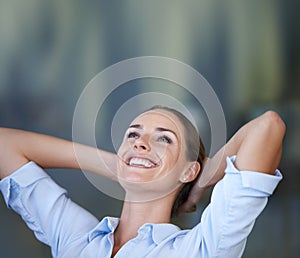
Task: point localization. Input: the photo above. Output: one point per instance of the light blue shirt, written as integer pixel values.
(73, 232)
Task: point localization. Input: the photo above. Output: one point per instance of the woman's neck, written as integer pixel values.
(136, 214)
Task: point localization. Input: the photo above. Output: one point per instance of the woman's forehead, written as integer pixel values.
(158, 118)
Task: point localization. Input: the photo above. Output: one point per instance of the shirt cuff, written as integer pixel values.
(24, 176)
(256, 180)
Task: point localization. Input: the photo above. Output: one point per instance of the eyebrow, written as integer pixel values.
(159, 129)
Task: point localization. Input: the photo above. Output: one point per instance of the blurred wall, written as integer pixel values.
(247, 50)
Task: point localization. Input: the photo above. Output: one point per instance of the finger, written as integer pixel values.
(193, 208)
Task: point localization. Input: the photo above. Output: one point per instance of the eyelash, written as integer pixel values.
(162, 138)
(132, 135)
(165, 139)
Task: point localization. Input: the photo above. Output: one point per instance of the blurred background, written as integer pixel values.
(247, 50)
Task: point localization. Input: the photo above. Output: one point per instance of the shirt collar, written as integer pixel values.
(106, 225)
(159, 232)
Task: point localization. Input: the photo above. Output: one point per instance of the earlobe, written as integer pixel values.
(191, 172)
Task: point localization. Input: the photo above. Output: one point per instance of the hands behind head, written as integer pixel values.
(210, 175)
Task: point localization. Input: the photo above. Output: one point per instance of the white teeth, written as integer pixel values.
(141, 162)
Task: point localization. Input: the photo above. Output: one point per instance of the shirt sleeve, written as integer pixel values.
(45, 207)
(236, 202)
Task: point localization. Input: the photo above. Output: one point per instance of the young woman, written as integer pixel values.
(162, 166)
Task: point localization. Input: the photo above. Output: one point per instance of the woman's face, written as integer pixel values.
(152, 148)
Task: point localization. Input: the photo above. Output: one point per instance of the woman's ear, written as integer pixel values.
(191, 172)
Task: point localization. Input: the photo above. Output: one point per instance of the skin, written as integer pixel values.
(166, 149)
(156, 138)
(258, 146)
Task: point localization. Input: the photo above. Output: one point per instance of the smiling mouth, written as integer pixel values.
(141, 163)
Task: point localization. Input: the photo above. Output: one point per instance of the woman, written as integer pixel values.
(158, 164)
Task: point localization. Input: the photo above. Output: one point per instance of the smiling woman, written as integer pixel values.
(154, 159)
(174, 131)
(162, 166)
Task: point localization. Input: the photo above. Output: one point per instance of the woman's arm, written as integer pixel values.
(257, 146)
(18, 147)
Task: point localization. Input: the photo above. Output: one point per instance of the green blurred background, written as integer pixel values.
(247, 50)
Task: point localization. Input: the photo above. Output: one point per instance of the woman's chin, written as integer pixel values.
(140, 189)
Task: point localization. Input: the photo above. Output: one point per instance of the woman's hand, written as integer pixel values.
(212, 172)
(196, 193)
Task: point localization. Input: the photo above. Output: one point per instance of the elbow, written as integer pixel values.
(273, 124)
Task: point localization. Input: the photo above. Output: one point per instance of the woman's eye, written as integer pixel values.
(165, 139)
(133, 135)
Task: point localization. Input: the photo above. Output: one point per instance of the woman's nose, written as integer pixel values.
(141, 144)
